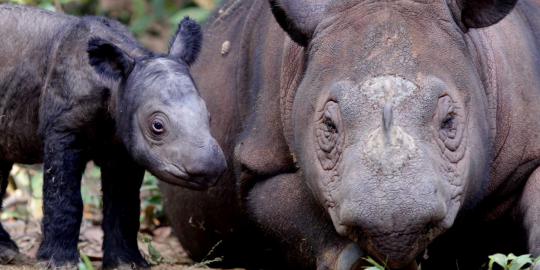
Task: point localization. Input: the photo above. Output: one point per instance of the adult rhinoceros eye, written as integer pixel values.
(329, 135)
(450, 121)
(449, 125)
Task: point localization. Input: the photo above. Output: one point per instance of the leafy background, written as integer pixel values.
(153, 22)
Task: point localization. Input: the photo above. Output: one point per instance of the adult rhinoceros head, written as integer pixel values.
(389, 122)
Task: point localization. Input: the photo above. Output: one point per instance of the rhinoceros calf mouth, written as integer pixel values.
(176, 176)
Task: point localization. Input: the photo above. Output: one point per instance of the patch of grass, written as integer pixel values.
(496, 262)
(374, 265)
(206, 262)
(151, 203)
(155, 256)
(85, 264)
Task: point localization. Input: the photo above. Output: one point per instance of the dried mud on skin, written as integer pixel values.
(28, 237)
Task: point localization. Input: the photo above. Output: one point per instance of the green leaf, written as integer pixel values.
(499, 259)
(373, 268)
(47, 6)
(158, 7)
(198, 14)
(155, 200)
(21, 215)
(374, 264)
(519, 263)
(140, 24)
(86, 264)
(155, 256)
(36, 183)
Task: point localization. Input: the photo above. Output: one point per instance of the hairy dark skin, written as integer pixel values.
(74, 90)
(403, 129)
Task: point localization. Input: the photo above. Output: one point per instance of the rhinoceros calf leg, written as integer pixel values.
(121, 182)
(284, 208)
(530, 205)
(8, 248)
(64, 163)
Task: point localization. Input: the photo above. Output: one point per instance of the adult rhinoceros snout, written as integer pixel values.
(397, 249)
(396, 232)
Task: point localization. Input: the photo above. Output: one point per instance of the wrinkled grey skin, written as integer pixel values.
(159, 85)
(79, 89)
(188, 156)
(405, 121)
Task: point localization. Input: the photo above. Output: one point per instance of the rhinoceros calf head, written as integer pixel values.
(389, 120)
(160, 116)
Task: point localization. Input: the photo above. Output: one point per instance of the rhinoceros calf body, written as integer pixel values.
(79, 89)
(392, 127)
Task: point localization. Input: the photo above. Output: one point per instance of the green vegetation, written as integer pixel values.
(25, 195)
(85, 264)
(512, 262)
(496, 262)
(152, 21)
(373, 264)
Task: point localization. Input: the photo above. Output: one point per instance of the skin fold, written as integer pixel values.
(398, 130)
(74, 90)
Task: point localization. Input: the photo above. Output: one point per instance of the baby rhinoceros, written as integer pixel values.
(74, 90)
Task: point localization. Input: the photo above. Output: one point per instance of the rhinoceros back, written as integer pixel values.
(27, 39)
(28, 35)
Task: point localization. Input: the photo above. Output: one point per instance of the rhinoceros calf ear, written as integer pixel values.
(480, 13)
(186, 43)
(109, 60)
(299, 18)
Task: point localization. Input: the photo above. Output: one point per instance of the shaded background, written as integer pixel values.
(153, 22)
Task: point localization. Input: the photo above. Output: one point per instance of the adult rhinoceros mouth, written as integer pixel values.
(396, 249)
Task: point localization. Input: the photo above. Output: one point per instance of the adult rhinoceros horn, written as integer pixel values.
(299, 18)
(480, 13)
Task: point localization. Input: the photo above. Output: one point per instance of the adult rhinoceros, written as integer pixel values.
(380, 128)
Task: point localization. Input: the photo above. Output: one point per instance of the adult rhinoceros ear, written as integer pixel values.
(186, 43)
(480, 13)
(299, 18)
(109, 60)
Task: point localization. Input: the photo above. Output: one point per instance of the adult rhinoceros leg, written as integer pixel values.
(8, 248)
(283, 207)
(530, 205)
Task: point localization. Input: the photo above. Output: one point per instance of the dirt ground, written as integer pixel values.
(159, 247)
(22, 211)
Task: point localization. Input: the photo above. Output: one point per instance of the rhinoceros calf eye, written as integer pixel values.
(157, 127)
